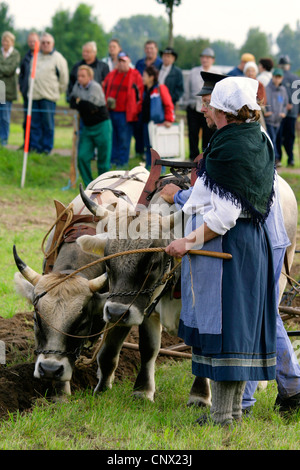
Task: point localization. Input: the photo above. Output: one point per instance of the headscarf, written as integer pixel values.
(232, 93)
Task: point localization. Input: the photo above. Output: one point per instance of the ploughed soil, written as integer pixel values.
(19, 389)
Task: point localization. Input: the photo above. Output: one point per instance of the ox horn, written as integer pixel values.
(91, 205)
(95, 209)
(32, 276)
(97, 283)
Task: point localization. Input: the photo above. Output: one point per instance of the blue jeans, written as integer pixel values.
(5, 111)
(286, 137)
(147, 144)
(122, 133)
(42, 126)
(273, 131)
(287, 367)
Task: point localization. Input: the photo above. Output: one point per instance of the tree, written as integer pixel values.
(170, 4)
(289, 44)
(133, 32)
(189, 51)
(257, 43)
(6, 21)
(72, 31)
(226, 53)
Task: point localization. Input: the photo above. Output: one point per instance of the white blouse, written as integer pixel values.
(219, 214)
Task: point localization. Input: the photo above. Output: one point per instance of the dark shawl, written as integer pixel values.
(238, 165)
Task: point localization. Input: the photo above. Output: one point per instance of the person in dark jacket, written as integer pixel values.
(151, 57)
(25, 71)
(89, 57)
(287, 131)
(9, 61)
(171, 75)
(88, 98)
(276, 109)
(155, 91)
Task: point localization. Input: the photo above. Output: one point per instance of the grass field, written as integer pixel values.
(114, 420)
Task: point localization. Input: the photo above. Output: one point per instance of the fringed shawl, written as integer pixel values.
(238, 165)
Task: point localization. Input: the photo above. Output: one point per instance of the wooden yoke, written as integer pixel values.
(152, 180)
(155, 171)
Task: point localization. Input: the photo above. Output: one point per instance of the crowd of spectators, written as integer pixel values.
(115, 98)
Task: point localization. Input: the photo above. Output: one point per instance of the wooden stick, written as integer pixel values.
(164, 352)
(290, 310)
(212, 254)
(177, 347)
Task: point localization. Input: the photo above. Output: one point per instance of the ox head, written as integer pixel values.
(63, 316)
(134, 280)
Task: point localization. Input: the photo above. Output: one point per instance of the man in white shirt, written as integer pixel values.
(195, 118)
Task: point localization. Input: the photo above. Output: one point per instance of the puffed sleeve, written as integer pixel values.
(222, 216)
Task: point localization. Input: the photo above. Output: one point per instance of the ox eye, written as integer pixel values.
(155, 266)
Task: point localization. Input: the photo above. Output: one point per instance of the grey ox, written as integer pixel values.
(134, 284)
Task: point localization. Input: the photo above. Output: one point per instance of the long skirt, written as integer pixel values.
(229, 307)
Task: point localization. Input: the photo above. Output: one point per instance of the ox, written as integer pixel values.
(73, 310)
(133, 286)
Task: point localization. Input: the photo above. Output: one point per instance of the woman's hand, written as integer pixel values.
(168, 192)
(167, 123)
(177, 248)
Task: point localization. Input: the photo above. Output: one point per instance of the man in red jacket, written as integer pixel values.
(123, 91)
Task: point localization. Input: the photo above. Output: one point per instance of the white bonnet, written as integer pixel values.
(232, 93)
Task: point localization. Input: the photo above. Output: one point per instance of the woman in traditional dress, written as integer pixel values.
(228, 306)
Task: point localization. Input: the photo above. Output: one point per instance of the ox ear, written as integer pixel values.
(32, 276)
(93, 244)
(23, 287)
(98, 283)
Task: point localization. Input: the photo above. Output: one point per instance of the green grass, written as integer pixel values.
(113, 420)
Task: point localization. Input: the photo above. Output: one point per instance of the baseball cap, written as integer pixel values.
(123, 56)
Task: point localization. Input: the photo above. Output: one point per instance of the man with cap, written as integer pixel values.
(195, 118)
(123, 89)
(287, 131)
(276, 109)
(288, 368)
(171, 75)
(239, 70)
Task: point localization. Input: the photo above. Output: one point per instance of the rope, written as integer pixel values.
(82, 362)
(69, 211)
(131, 252)
(105, 258)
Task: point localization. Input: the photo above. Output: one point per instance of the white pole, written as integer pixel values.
(28, 119)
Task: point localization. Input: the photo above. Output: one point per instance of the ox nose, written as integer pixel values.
(116, 312)
(49, 370)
